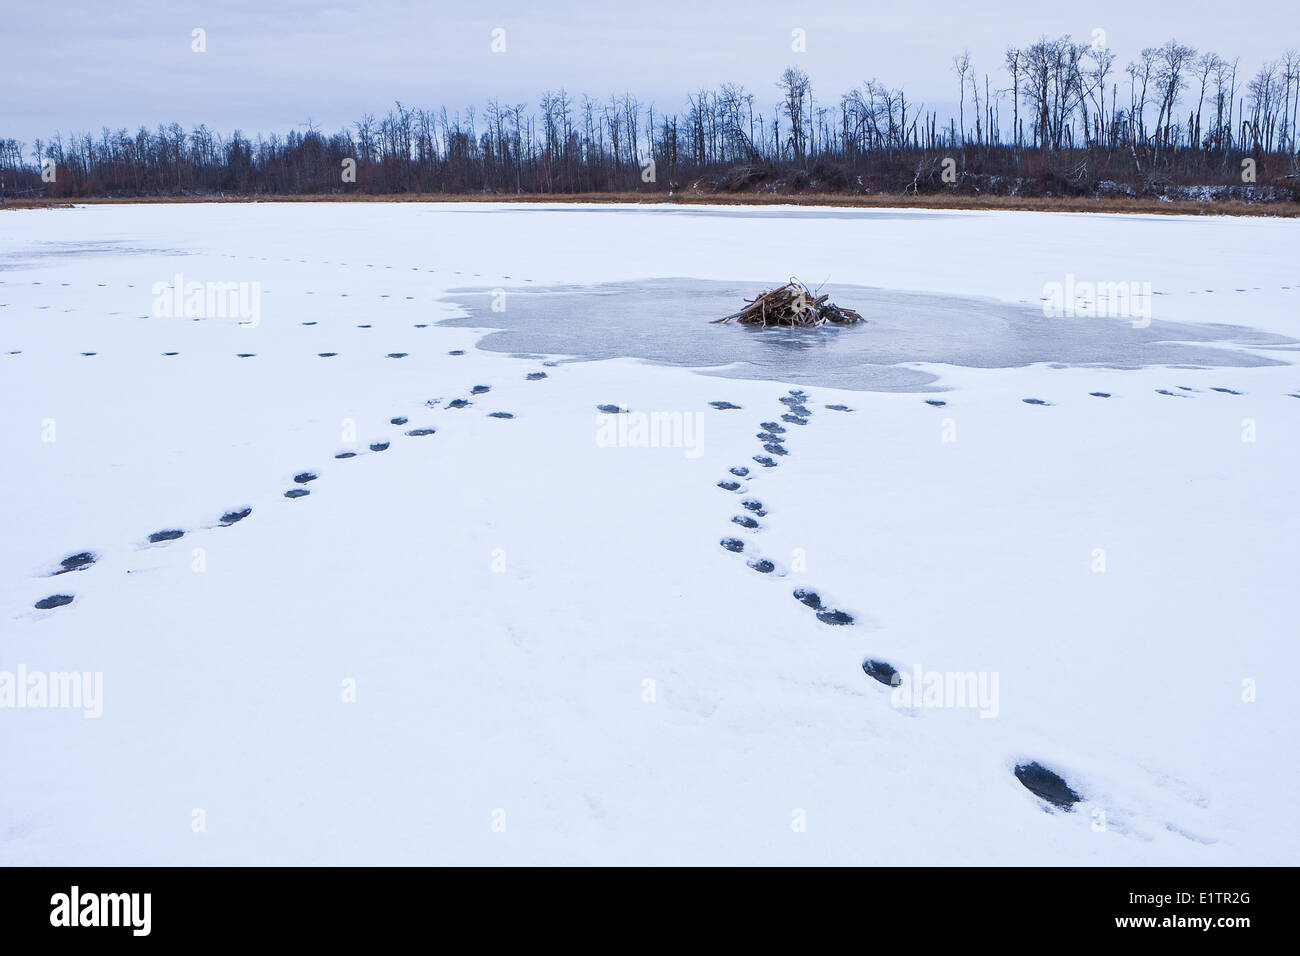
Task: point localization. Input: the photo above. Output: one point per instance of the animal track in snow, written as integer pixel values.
(76, 562)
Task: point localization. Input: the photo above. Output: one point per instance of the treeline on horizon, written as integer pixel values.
(1056, 123)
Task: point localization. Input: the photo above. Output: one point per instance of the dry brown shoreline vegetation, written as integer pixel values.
(932, 201)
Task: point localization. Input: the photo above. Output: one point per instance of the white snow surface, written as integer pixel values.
(554, 661)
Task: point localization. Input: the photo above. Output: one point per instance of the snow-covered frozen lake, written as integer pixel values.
(498, 628)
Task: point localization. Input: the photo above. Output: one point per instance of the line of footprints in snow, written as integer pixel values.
(1039, 780)
(86, 559)
(1182, 391)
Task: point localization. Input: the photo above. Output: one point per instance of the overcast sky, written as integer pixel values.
(270, 66)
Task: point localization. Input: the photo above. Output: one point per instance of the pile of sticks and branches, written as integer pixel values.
(793, 306)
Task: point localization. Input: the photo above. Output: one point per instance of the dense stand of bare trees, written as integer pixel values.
(1059, 110)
